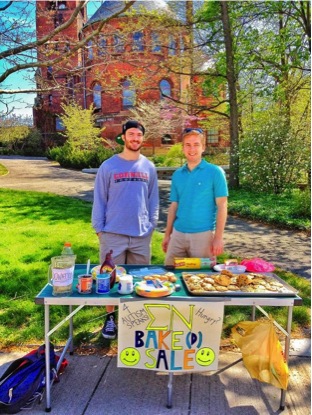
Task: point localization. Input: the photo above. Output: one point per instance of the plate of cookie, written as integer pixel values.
(227, 283)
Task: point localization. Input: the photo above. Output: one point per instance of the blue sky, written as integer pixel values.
(22, 103)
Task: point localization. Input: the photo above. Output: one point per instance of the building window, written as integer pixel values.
(58, 20)
(155, 42)
(50, 100)
(59, 126)
(70, 87)
(165, 88)
(61, 5)
(166, 139)
(90, 49)
(128, 94)
(172, 45)
(49, 72)
(119, 46)
(213, 136)
(102, 46)
(97, 96)
(138, 44)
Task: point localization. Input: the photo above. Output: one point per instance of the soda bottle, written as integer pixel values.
(109, 266)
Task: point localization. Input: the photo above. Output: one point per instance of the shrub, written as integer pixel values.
(79, 159)
(175, 156)
(302, 203)
(158, 160)
(271, 156)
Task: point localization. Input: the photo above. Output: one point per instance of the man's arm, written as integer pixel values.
(170, 220)
(217, 243)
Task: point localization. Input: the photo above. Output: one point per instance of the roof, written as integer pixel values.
(109, 8)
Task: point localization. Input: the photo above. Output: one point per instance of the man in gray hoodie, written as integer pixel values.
(125, 207)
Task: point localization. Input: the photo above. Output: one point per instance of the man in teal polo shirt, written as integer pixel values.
(198, 210)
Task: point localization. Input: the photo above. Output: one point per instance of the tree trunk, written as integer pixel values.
(231, 79)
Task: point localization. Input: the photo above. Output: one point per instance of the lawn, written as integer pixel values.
(34, 227)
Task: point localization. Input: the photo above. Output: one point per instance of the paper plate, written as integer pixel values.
(143, 289)
(235, 269)
(119, 271)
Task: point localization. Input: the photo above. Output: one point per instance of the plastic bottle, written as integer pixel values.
(67, 249)
(109, 266)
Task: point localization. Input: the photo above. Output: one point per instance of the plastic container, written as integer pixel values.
(61, 274)
(67, 249)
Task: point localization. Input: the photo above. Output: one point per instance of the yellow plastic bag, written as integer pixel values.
(262, 352)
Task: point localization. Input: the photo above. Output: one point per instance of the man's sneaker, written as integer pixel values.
(109, 330)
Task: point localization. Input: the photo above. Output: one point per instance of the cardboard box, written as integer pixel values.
(195, 263)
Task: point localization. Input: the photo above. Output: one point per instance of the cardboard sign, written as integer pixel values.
(175, 336)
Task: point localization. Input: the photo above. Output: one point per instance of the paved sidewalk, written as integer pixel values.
(93, 385)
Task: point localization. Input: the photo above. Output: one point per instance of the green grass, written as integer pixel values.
(288, 210)
(34, 227)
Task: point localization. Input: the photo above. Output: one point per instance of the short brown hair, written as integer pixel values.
(189, 132)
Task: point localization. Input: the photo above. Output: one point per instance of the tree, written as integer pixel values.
(18, 51)
(79, 127)
(158, 117)
(272, 156)
(263, 56)
(231, 80)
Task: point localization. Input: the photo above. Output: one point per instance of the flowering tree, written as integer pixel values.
(272, 158)
(79, 127)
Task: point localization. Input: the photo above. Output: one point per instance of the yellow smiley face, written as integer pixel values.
(130, 356)
(205, 356)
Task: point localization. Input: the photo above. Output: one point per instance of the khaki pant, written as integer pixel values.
(189, 245)
(126, 249)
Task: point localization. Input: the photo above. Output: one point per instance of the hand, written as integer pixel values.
(217, 246)
(165, 243)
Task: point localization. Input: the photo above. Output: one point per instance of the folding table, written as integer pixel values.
(76, 302)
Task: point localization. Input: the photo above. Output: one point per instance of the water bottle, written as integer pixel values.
(67, 249)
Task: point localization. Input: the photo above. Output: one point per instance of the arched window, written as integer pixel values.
(97, 96)
(102, 46)
(166, 139)
(90, 49)
(128, 94)
(165, 88)
(138, 44)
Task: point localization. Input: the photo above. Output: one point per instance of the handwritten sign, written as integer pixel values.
(169, 335)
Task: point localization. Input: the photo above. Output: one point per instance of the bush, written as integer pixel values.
(175, 156)
(302, 203)
(271, 156)
(21, 140)
(79, 159)
(158, 160)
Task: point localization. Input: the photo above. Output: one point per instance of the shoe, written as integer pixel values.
(109, 330)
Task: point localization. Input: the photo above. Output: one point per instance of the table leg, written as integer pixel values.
(47, 356)
(253, 313)
(286, 351)
(71, 331)
(169, 390)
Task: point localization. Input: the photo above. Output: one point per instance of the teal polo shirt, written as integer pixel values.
(195, 192)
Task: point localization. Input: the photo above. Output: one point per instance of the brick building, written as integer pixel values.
(130, 60)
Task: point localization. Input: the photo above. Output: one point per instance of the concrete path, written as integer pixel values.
(286, 249)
